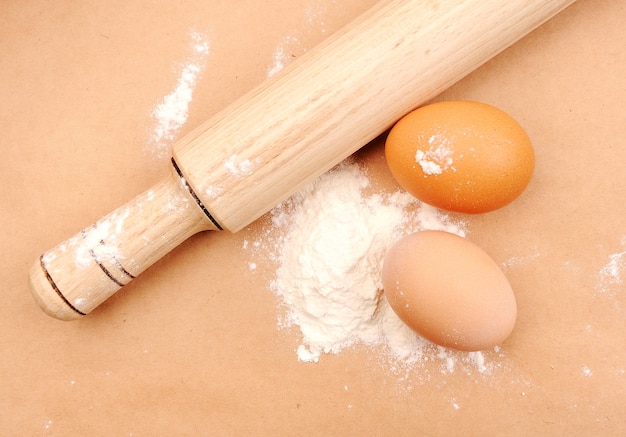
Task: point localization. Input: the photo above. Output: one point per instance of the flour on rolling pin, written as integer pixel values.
(394, 57)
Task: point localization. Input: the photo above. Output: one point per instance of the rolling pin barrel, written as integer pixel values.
(281, 135)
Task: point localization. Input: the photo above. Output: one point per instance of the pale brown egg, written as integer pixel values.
(448, 290)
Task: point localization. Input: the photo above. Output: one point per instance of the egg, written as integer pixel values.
(460, 156)
(449, 291)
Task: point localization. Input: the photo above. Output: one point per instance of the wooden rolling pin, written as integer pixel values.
(286, 132)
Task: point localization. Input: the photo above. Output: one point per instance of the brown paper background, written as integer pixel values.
(192, 347)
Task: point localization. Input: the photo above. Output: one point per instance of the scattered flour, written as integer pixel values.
(611, 272)
(517, 261)
(99, 241)
(586, 371)
(329, 241)
(283, 54)
(290, 46)
(437, 158)
(238, 167)
(171, 113)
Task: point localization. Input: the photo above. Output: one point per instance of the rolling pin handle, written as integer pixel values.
(76, 276)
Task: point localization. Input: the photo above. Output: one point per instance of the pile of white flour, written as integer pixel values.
(329, 241)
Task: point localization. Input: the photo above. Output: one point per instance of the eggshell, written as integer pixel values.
(460, 156)
(449, 291)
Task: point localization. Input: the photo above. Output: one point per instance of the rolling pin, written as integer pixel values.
(278, 137)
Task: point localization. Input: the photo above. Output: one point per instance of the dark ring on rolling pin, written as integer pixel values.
(55, 288)
(115, 262)
(193, 194)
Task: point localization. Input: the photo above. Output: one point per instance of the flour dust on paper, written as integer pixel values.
(611, 274)
(171, 113)
(290, 45)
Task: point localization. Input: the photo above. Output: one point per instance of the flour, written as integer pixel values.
(283, 54)
(610, 274)
(329, 241)
(517, 261)
(100, 242)
(290, 45)
(437, 158)
(238, 167)
(171, 113)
